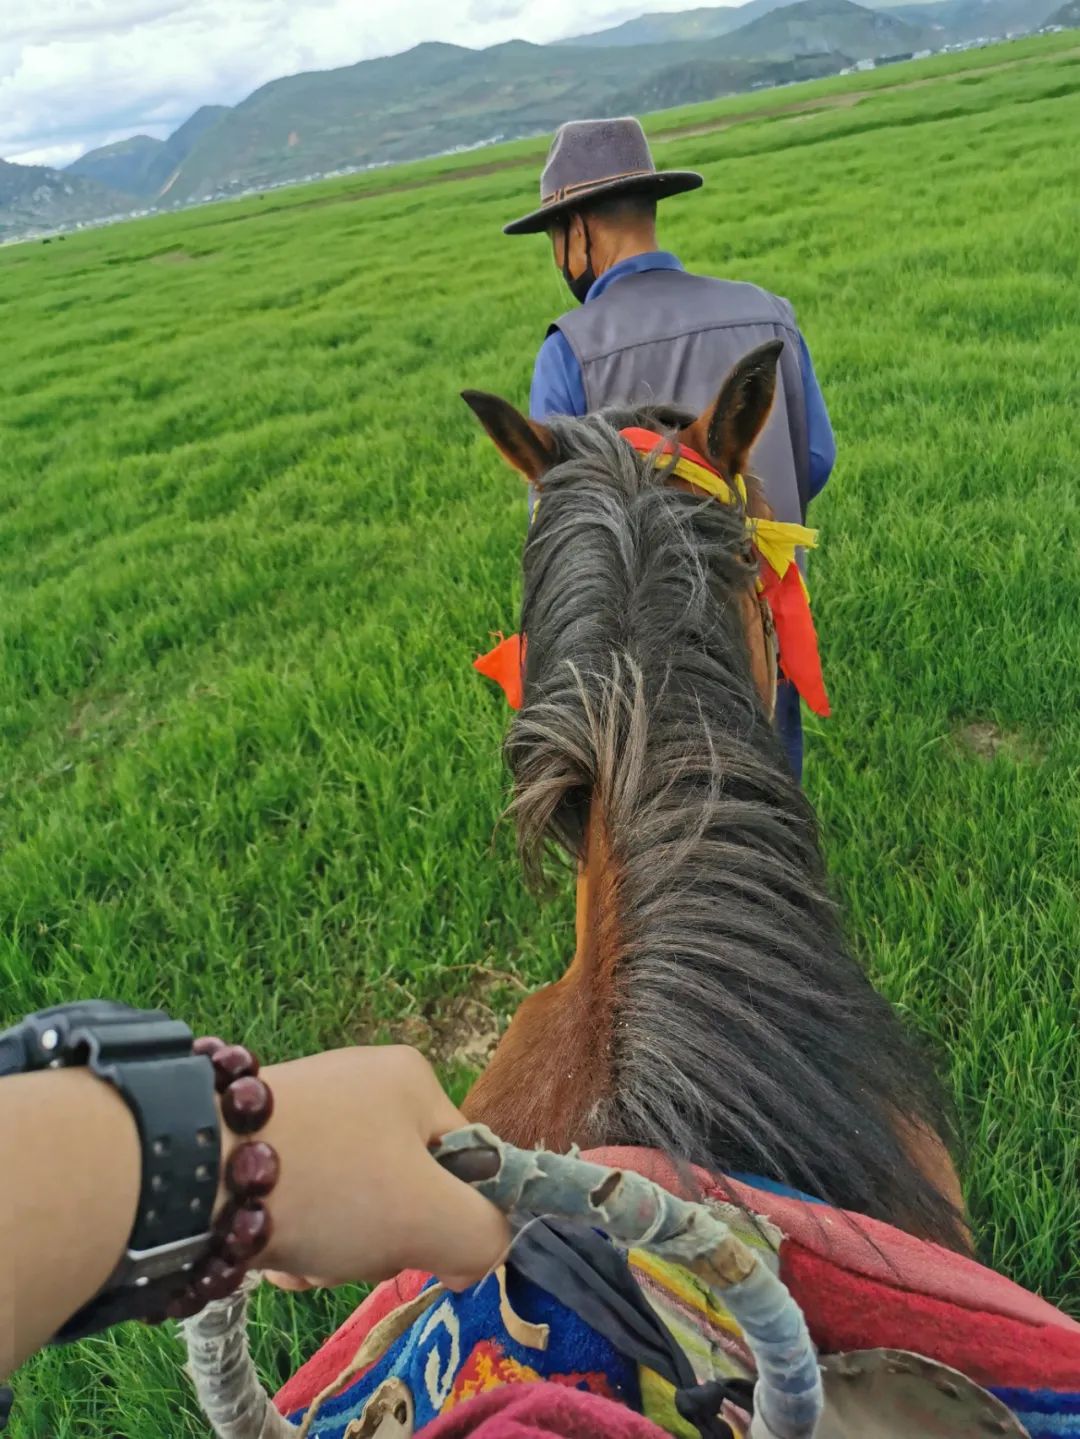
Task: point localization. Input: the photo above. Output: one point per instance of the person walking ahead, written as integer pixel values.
(649, 331)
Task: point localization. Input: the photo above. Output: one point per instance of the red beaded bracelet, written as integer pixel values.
(243, 1228)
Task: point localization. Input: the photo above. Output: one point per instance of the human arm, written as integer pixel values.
(69, 1154)
(359, 1195)
(557, 384)
(819, 430)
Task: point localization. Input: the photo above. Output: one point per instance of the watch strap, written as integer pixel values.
(147, 1057)
(172, 1100)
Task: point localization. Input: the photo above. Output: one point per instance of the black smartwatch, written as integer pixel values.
(147, 1058)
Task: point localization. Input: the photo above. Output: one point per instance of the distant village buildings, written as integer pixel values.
(957, 47)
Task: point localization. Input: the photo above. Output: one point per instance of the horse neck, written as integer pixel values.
(551, 1082)
(551, 1079)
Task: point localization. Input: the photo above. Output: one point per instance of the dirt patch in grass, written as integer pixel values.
(93, 716)
(460, 1030)
(986, 741)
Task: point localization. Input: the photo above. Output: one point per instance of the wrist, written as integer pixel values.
(289, 1126)
(144, 1061)
(235, 1173)
(248, 1171)
(310, 1132)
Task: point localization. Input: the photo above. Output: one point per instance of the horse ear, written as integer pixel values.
(726, 431)
(529, 447)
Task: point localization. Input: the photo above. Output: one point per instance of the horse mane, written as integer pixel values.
(744, 1036)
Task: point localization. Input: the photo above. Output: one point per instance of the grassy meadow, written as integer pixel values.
(250, 540)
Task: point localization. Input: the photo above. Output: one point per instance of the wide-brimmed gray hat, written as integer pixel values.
(593, 158)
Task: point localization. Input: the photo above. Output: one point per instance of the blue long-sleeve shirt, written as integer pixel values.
(558, 388)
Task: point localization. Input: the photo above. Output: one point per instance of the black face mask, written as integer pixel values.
(578, 285)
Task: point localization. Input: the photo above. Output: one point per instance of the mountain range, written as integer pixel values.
(943, 22)
(144, 166)
(438, 97)
(33, 197)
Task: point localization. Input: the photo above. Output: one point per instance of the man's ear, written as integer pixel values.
(529, 447)
(725, 432)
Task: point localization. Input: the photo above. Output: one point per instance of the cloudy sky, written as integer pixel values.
(80, 73)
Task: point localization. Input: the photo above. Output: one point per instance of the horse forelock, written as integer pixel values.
(743, 1035)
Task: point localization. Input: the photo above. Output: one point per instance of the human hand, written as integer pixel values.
(360, 1197)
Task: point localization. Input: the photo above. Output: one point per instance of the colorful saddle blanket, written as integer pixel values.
(862, 1285)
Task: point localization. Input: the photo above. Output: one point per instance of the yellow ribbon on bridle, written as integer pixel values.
(775, 540)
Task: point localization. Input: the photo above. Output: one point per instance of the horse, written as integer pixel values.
(712, 1009)
(712, 1015)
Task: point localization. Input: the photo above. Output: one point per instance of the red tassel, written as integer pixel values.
(795, 635)
(504, 664)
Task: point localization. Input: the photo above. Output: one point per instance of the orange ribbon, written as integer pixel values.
(648, 442)
(796, 639)
(505, 665)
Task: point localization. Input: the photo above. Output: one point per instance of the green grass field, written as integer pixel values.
(250, 540)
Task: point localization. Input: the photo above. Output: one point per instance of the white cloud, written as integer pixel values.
(58, 155)
(75, 74)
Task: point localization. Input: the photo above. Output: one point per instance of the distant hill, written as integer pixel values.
(946, 21)
(33, 197)
(127, 165)
(691, 81)
(1068, 15)
(706, 23)
(143, 167)
(817, 27)
(957, 21)
(429, 99)
(436, 97)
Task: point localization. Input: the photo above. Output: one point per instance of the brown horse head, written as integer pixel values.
(724, 434)
(712, 1009)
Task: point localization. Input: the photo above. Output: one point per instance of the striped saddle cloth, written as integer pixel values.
(418, 1352)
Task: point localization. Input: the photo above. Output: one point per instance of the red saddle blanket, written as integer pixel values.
(861, 1285)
